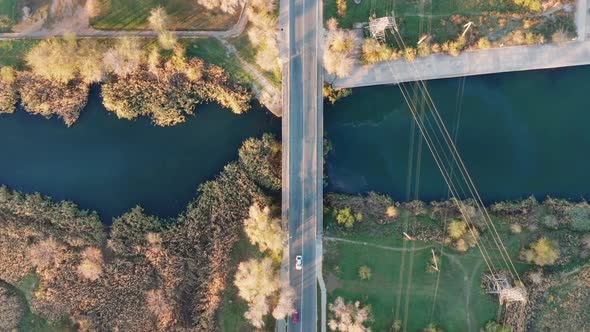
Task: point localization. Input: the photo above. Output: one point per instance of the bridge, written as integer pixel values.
(302, 137)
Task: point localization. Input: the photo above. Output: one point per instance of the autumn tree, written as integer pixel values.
(54, 59)
(348, 317)
(341, 7)
(542, 252)
(89, 61)
(257, 281)
(264, 230)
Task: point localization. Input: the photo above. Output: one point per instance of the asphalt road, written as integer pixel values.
(305, 135)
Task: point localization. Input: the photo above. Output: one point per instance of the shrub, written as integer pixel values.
(334, 94)
(365, 272)
(372, 51)
(262, 160)
(483, 43)
(345, 217)
(409, 54)
(423, 49)
(579, 216)
(516, 228)
(543, 252)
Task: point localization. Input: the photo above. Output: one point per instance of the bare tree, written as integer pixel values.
(124, 58)
(158, 19)
(257, 281)
(348, 317)
(227, 6)
(285, 305)
(264, 230)
(45, 253)
(91, 265)
(338, 55)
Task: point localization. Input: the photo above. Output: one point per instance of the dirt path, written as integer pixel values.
(266, 92)
(467, 280)
(337, 239)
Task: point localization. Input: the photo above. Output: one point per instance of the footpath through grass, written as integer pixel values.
(184, 14)
(460, 305)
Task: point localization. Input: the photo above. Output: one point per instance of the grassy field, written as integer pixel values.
(460, 304)
(231, 312)
(212, 51)
(9, 14)
(12, 52)
(442, 19)
(185, 15)
(248, 53)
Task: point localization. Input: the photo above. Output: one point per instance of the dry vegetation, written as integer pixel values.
(338, 57)
(159, 82)
(146, 274)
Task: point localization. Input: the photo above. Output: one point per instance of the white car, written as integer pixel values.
(298, 262)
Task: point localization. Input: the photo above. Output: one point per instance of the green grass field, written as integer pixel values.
(212, 51)
(460, 304)
(184, 14)
(12, 52)
(9, 14)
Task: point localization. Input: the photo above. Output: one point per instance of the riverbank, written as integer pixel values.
(109, 165)
(146, 272)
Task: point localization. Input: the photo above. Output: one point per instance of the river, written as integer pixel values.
(520, 134)
(110, 165)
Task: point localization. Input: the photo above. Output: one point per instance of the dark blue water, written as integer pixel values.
(520, 134)
(110, 165)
